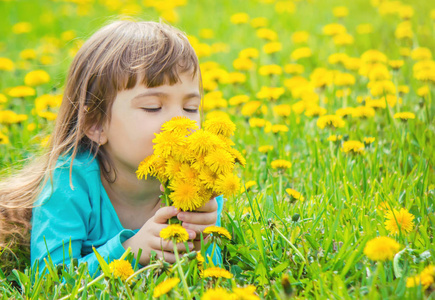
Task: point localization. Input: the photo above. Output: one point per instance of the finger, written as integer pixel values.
(162, 188)
(210, 206)
(167, 256)
(198, 217)
(163, 214)
(195, 227)
(169, 246)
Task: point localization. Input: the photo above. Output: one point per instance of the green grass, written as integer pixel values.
(342, 191)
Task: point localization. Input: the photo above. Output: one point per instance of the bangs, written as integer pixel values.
(156, 57)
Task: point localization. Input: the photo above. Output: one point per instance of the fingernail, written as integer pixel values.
(191, 236)
(190, 245)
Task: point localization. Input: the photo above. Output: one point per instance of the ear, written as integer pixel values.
(97, 134)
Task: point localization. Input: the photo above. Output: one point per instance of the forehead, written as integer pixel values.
(187, 84)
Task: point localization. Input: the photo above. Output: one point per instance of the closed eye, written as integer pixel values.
(151, 109)
(191, 110)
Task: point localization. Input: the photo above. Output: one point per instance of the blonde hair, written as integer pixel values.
(113, 59)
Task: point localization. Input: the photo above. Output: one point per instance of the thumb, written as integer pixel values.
(165, 213)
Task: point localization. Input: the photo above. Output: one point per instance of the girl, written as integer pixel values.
(124, 83)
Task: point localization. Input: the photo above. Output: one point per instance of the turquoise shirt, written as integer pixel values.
(83, 216)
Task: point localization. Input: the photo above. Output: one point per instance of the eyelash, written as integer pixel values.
(151, 110)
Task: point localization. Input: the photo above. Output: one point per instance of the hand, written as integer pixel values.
(148, 238)
(200, 219)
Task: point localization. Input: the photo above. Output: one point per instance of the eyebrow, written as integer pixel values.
(164, 95)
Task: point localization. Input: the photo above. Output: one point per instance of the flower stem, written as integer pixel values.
(88, 285)
(141, 270)
(292, 246)
(180, 270)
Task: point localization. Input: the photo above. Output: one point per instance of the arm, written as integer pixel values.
(61, 224)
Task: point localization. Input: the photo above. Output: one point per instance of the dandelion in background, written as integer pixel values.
(247, 292)
(426, 278)
(404, 116)
(217, 231)
(216, 272)
(216, 294)
(399, 219)
(354, 147)
(381, 248)
(281, 164)
(295, 194)
(165, 287)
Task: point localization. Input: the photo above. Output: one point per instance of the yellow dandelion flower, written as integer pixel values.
(217, 231)
(333, 29)
(216, 294)
(272, 47)
(237, 100)
(168, 142)
(282, 110)
(245, 293)
(222, 126)
(147, 167)
(239, 18)
(238, 157)
(259, 22)
(227, 184)
(4, 139)
(340, 11)
(299, 53)
(220, 161)
(174, 231)
(295, 194)
(165, 287)
(265, 148)
(281, 164)
(404, 116)
(208, 178)
(217, 272)
(334, 138)
(184, 195)
(353, 147)
(21, 91)
(172, 168)
(37, 77)
(201, 142)
(268, 70)
(363, 112)
(270, 93)
(332, 121)
(6, 64)
(249, 108)
(279, 128)
(381, 248)
(399, 219)
(248, 185)
(267, 34)
(300, 37)
(426, 278)
(369, 140)
(180, 125)
(121, 269)
(10, 117)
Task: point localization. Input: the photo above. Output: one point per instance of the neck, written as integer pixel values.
(127, 190)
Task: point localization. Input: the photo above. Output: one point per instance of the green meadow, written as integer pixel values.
(334, 107)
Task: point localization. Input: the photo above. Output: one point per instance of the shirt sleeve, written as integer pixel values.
(60, 224)
(217, 256)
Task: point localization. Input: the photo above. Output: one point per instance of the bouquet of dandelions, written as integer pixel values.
(193, 164)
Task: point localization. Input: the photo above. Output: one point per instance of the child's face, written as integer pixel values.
(138, 113)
